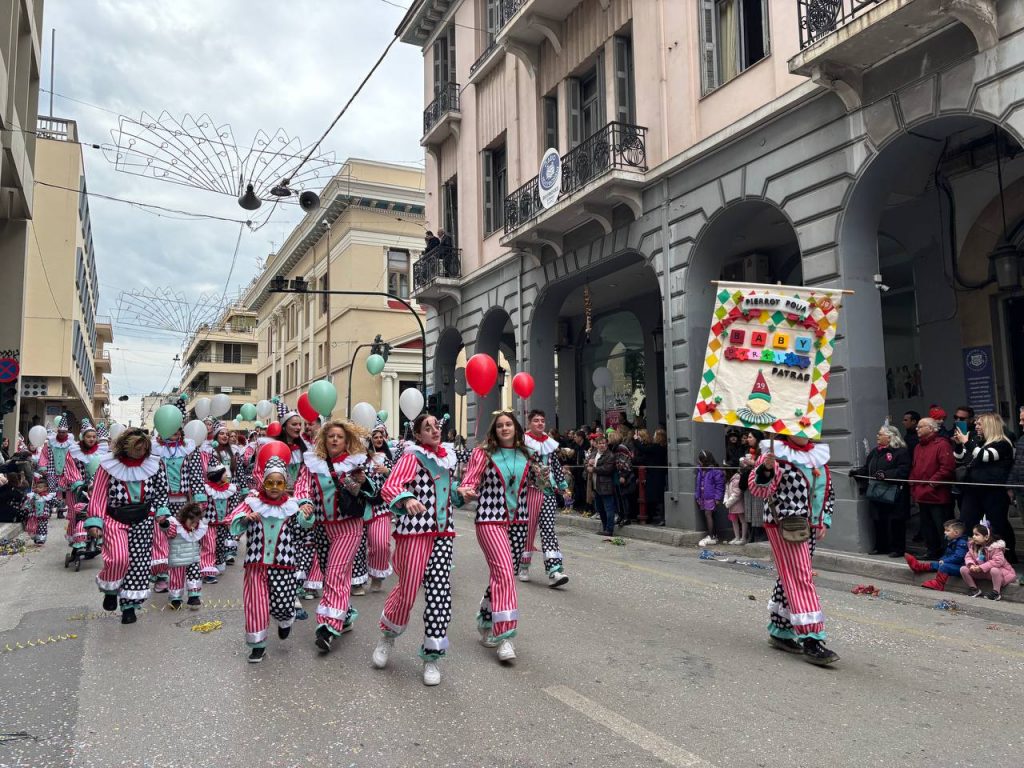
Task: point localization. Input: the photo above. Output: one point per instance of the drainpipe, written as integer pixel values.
(666, 325)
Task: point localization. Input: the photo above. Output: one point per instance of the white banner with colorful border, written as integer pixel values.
(768, 358)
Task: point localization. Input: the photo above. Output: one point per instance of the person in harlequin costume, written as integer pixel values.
(373, 559)
(86, 454)
(334, 479)
(129, 490)
(222, 497)
(419, 492)
(274, 525)
(61, 473)
(498, 477)
(543, 503)
(184, 531)
(38, 505)
(793, 478)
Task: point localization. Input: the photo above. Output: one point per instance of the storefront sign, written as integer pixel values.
(979, 378)
(768, 358)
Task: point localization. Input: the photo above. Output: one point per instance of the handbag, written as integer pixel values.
(129, 514)
(346, 503)
(795, 529)
(881, 492)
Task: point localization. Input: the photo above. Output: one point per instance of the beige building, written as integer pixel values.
(20, 29)
(367, 236)
(64, 362)
(222, 359)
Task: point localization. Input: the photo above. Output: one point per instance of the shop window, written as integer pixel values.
(734, 36)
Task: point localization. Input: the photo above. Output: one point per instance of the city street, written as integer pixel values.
(649, 657)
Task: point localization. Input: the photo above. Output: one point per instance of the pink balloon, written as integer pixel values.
(481, 373)
(522, 384)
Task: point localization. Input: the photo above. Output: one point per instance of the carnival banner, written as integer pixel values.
(768, 358)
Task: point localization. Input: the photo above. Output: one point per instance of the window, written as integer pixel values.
(398, 273)
(625, 98)
(306, 376)
(735, 36)
(278, 381)
(444, 60)
(270, 388)
(319, 355)
(232, 353)
(586, 103)
(492, 12)
(450, 204)
(495, 188)
(550, 107)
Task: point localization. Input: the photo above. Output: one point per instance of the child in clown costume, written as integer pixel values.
(39, 504)
(275, 526)
(221, 497)
(184, 531)
(86, 455)
(61, 473)
(543, 503)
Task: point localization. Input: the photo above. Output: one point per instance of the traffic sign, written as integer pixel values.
(9, 370)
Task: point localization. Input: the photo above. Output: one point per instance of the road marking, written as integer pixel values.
(836, 612)
(664, 750)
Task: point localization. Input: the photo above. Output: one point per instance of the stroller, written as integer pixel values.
(92, 546)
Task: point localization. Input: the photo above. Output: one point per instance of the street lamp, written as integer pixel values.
(300, 285)
(377, 347)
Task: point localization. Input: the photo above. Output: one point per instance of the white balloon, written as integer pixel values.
(264, 410)
(601, 397)
(220, 405)
(115, 431)
(195, 431)
(602, 377)
(411, 403)
(37, 436)
(202, 407)
(365, 415)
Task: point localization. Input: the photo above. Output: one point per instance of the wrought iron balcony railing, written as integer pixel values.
(447, 101)
(440, 261)
(617, 146)
(820, 18)
(506, 10)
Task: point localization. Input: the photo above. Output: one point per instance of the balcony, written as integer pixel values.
(841, 39)
(442, 117)
(436, 275)
(102, 361)
(531, 22)
(208, 391)
(57, 129)
(607, 167)
(101, 392)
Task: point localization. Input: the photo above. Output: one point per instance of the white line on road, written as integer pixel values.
(664, 750)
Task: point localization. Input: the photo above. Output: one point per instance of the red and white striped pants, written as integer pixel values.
(75, 531)
(160, 549)
(374, 556)
(499, 609)
(184, 577)
(266, 592)
(126, 561)
(427, 560)
(336, 547)
(794, 607)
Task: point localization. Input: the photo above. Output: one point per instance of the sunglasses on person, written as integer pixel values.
(506, 412)
(274, 485)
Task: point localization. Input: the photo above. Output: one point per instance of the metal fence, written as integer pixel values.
(820, 18)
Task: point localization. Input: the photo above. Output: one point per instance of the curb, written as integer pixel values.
(10, 530)
(870, 566)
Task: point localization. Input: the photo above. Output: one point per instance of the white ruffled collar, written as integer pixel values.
(192, 536)
(448, 462)
(319, 466)
(68, 442)
(126, 474)
(542, 448)
(279, 511)
(815, 458)
(32, 495)
(226, 493)
(99, 450)
(177, 452)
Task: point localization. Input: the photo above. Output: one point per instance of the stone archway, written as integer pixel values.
(446, 353)
(496, 336)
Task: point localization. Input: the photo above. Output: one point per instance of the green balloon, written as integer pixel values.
(382, 415)
(323, 397)
(375, 364)
(248, 412)
(167, 420)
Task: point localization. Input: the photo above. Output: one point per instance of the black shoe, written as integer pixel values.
(875, 552)
(816, 653)
(175, 605)
(975, 592)
(993, 595)
(128, 616)
(789, 645)
(283, 632)
(194, 602)
(256, 655)
(324, 638)
(110, 602)
(230, 561)
(209, 579)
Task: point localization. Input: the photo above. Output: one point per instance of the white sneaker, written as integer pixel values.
(506, 651)
(486, 640)
(376, 585)
(557, 579)
(383, 651)
(524, 573)
(431, 673)
(735, 542)
(707, 541)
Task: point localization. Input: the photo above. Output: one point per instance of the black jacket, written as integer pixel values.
(986, 463)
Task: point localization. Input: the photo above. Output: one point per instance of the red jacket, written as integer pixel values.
(933, 460)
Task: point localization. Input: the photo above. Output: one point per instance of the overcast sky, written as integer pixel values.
(253, 64)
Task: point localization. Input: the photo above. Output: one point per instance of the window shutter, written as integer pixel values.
(624, 100)
(550, 123)
(575, 119)
(451, 76)
(488, 193)
(709, 46)
(492, 20)
(439, 68)
(602, 90)
(766, 28)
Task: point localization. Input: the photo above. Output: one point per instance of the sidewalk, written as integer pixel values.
(877, 567)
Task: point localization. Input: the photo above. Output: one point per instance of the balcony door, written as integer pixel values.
(586, 103)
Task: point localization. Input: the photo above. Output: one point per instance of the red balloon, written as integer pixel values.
(522, 384)
(274, 428)
(275, 448)
(306, 409)
(481, 373)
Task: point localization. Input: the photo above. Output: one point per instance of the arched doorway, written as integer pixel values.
(496, 337)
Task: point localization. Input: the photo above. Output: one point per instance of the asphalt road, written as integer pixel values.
(649, 657)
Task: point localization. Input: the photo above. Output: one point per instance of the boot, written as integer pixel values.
(324, 638)
(110, 602)
(916, 565)
(938, 583)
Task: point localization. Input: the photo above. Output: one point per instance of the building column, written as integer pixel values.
(389, 400)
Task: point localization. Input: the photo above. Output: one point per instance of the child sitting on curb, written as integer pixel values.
(986, 559)
(950, 562)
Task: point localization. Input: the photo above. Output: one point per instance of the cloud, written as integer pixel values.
(254, 64)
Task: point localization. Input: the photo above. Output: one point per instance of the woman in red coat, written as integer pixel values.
(933, 462)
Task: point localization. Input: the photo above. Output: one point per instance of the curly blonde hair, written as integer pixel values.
(355, 436)
(128, 439)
